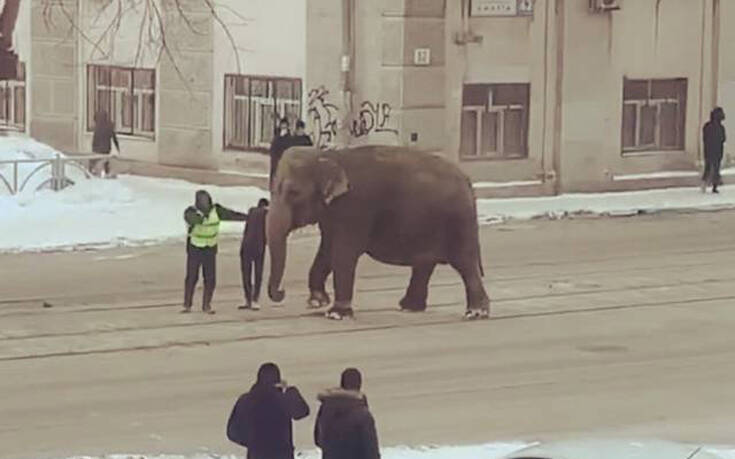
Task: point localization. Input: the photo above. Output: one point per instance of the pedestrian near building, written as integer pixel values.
(280, 144)
(252, 254)
(102, 139)
(345, 428)
(714, 138)
(262, 419)
(203, 220)
(300, 138)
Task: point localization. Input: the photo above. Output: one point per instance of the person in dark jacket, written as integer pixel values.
(104, 136)
(344, 427)
(300, 139)
(203, 219)
(262, 419)
(252, 254)
(714, 138)
(280, 143)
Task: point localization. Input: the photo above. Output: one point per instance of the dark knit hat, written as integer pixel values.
(269, 373)
(351, 379)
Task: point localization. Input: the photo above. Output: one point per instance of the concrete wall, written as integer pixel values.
(390, 97)
(100, 45)
(646, 39)
(575, 62)
(53, 77)
(23, 44)
(270, 38)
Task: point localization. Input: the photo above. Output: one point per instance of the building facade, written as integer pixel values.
(213, 91)
(555, 94)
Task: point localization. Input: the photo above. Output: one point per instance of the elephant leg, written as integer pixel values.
(478, 303)
(418, 289)
(347, 249)
(320, 270)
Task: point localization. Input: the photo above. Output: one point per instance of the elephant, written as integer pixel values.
(400, 206)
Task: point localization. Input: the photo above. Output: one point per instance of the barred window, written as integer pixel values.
(495, 121)
(13, 101)
(253, 106)
(128, 95)
(654, 114)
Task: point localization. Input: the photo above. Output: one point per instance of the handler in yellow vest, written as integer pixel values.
(203, 219)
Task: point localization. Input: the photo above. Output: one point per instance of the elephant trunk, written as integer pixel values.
(278, 225)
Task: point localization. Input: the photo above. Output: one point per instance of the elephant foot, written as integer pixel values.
(318, 300)
(409, 305)
(339, 312)
(477, 314)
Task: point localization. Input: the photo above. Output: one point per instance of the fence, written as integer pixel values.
(57, 165)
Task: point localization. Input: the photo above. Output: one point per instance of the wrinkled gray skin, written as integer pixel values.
(400, 207)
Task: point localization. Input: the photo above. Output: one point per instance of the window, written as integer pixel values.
(13, 101)
(494, 121)
(654, 114)
(128, 95)
(253, 106)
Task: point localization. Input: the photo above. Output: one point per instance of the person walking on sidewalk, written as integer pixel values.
(103, 138)
(203, 219)
(262, 419)
(345, 428)
(714, 138)
(252, 254)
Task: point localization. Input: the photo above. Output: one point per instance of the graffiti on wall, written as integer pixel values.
(322, 116)
(372, 118)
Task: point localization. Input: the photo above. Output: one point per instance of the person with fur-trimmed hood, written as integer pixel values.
(262, 419)
(345, 428)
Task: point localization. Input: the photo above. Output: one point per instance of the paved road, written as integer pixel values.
(611, 326)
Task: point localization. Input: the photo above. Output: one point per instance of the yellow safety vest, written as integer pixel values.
(204, 234)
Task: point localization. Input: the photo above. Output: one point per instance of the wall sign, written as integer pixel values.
(491, 8)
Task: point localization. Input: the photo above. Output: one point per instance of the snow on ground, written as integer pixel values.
(618, 203)
(488, 451)
(14, 147)
(96, 213)
(107, 213)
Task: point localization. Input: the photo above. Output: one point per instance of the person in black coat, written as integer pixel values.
(713, 136)
(261, 420)
(252, 254)
(280, 144)
(300, 138)
(345, 428)
(102, 140)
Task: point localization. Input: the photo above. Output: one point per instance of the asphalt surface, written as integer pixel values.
(618, 326)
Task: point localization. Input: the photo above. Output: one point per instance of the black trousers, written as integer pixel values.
(206, 260)
(250, 261)
(711, 174)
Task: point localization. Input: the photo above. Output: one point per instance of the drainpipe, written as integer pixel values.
(348, 56)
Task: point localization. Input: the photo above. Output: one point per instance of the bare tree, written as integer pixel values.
(158, 19)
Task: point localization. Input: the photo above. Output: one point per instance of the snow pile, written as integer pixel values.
(488, 451)
(14, 147)
(108, 213)
(618, 203)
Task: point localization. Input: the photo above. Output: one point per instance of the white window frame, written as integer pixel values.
(10, 122)
(658, 103)
(500, 110)
(136, 98)
(255, 106)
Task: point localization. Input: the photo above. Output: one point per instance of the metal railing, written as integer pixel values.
(57, 165)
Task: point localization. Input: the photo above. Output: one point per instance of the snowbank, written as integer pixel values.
(14, 147)
(102, 213)
(129, 211)
(619, 203)
(488, 451)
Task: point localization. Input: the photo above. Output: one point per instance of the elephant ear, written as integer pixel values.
(331, 179)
